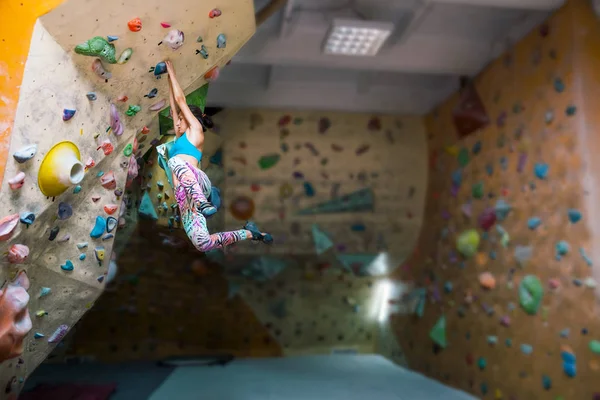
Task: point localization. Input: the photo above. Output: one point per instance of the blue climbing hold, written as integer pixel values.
(526, 348)
(559, 85)
(476, 148)
(541, 170)
(489, 169)
(562, 248)
(77, 189)
(98, 229)
(565, 333)
(503, 163)
(481, 363)
(493, 255)
(574, 215)
(508, 342)
(585, 257)
(82, 256)
(569, 366)
(534, 223)
(309, 190)
(484, 388)
(448, 287)
(546, 382)
(358, 228)
(67, 266)
(457, 177)
(111, 38)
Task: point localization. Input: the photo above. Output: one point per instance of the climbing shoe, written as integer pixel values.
(207, 209)
(257, 234)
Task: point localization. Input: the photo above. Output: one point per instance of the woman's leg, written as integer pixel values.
(186, 177)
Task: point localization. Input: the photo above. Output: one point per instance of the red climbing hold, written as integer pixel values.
(283, 121)
(135, 25)
(215, 12)
(165, 24)
(145, 130)
(110, 208)
(106, 147)
(255, 187)
(212, 74)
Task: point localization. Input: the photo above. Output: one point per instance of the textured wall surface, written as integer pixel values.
(534, 96)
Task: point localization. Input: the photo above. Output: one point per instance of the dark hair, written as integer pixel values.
(204, 119)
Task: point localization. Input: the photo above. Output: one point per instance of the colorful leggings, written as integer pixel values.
(192, 187)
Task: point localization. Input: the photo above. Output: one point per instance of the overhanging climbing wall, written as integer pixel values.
(65, 255)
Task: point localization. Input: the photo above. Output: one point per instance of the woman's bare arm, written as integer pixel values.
(180, 101)
(174, 109)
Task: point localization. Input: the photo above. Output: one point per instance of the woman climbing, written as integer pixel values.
(191, 185)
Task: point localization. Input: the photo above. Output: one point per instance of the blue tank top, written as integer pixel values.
(183, 146)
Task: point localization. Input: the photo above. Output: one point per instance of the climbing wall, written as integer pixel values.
(346, 173)
(504, 302)
(62, 201)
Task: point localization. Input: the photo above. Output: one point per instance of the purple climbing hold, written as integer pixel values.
(487, 218)
(68, 114)
(298, 175)
(64, 211)
(522, 162)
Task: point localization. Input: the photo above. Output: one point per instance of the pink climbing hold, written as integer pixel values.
(95, 198)
(165, 24)
(487, 280)
(17, 181)
(108, 180)
(90, 163)
(7, 226)
(18, 253)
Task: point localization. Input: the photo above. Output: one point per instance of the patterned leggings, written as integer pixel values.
(192, 187)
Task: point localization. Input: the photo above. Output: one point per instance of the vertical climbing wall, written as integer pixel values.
(62, 232)
(284, 165)
(508, 307)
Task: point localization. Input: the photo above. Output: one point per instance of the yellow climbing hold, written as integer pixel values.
(481, 259)
(452, 150)
(498, 394)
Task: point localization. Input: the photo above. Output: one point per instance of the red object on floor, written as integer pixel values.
(70, 392)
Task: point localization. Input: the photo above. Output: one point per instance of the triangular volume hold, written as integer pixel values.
(470, 114)
(359, 201)
(146, 209)
(438, 333)
(357, 263)
(322, 241)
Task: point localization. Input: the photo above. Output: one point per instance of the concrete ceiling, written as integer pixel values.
(435, 41)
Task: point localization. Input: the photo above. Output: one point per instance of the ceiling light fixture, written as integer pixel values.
(356, 37)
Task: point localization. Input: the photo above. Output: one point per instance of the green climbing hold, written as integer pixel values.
(322, 241)
(477, 190)
(438, 333)
(595, 346)
(146, 209)
(268, 161)
(128, 150)
(132, 110)
(468, 243)
(463, 157)
(98, 47)
(531, 293)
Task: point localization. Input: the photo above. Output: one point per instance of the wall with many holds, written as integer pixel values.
(331, 178)
(504, 304)
(73, 143)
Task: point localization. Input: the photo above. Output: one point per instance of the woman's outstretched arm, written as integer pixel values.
(174, 109)
(192, 121)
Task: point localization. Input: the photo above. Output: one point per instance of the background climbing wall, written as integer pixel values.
(494, 344)
(319, 157)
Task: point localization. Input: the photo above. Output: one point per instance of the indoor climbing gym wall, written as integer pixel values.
(504, 302)
(90, 92)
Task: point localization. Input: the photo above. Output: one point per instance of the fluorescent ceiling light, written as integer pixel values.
(356, 37)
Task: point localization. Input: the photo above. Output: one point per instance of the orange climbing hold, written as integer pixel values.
(110, 208)
(212, 75)
(487, 280)
(135, 25)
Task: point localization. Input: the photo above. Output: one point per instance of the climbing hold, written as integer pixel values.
(215, 12)
(574, 215)
(44, 291)
(477, 190)
(68, 114)
(487, 280)
(82, 245)
(7, 226)
(492, 340)
(476, 147)
(99, 70)
(321, 240)
(108, 236)
(38, 335)
(146, 209)
(487, 219)
(82, 257)
(67, 266)
(174, 39)
(125, 56)
(64, 211)
(159, 69)
(463, 157)
(199, 39)
(134, 25)
(99, 253)
(595, 346)
(25, 153)
(27, 218)
(98, 47)
(546, 382)
(91, 96)
(541, 170)
(268, 161)
(534, 222)
(438, 332)
(526, 349)
(324, 125)
(285, 191)
(362, 149)
(212, 74)
(17, 181)
(99, 227)
(108, 180)
(165, 24)
(309, 189)
(110, 208)
(90, 163)
(128, 150)
(111, 38)
(467, 243)
(531, 293)
(111, 224)
(562, 249)
(58, 334)
(133, 110)
(18, 253)
(559, 86)
(158, 105)
(481, 363)
(152, 93)
(221, 41)
(203, 52)
(122, 98)
(242, 208)
(570, 110)
(569, 366)
(521, 162)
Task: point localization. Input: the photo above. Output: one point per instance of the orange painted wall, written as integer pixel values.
(17, 19)
(487, 332)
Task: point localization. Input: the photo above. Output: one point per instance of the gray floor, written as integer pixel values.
(344, 377)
